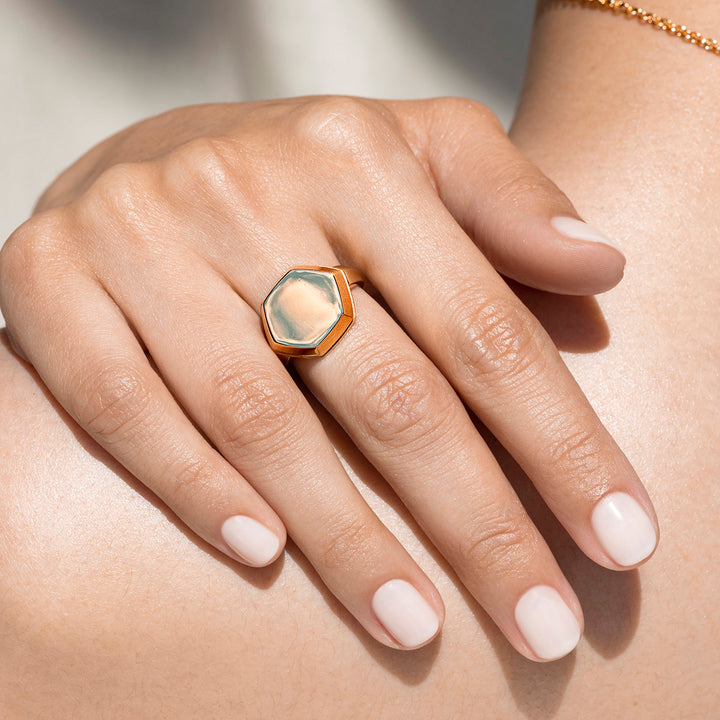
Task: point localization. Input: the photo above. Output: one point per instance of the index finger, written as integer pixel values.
(502, 363)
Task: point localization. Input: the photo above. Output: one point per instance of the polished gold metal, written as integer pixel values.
(354, 277)
(661, 23)
(345, 279)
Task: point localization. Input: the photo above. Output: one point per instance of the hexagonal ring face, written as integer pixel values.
(308, 311)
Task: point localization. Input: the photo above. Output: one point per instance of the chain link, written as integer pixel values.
(661, 23)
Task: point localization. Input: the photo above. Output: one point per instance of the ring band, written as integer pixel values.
(309, 310)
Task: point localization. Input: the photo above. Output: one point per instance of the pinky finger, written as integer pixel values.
(109, 387)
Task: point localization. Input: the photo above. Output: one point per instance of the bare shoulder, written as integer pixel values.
(109, 609)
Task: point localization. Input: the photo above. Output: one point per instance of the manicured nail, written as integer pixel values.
(548, 625)
(250, 540)
(579, 230)
(404, 613)
(624, 529)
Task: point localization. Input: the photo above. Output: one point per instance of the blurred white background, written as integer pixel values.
(73, 72)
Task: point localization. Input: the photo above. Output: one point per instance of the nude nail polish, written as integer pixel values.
(251, 540)
(548, 625)
(578, 230)
(623, 528)
(405, 613)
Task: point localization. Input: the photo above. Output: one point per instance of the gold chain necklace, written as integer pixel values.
(661, 23)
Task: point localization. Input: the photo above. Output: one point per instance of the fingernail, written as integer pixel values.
(579, 230)
(624, 529)
(251, 540)
(405, 613)
(548, 625)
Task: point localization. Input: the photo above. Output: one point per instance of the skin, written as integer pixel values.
(112, 609)
(166, 239)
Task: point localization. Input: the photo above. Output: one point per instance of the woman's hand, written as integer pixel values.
(166, 239)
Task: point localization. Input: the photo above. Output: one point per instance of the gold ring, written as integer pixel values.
(309, 310)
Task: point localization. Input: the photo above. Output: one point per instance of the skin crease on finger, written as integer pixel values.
(111, 610)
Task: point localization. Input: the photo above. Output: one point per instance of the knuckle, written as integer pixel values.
(116, 402)
(256, 408)
(519, 184)
(494, 339)
(497, 542)
(192, 478)
(483, 115)
(124, 193)
(208, 164)
(402, 403)
(468, 111)
(31, 252)
(235, 181)
(578, 455)
(343, 126)
(347, 540)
